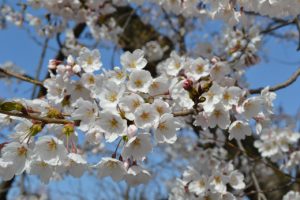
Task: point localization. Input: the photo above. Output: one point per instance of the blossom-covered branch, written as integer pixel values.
(29, 116)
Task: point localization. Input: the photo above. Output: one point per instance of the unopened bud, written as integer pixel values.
(35, 129)
(13, 106)
(53, 64)
(188, 84)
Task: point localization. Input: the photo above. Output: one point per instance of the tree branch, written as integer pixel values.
(40, 65)
(297, 23)
(260, 194)
(258, 158)
(183, 113)
(137, 33)
(289, 183)
(281, 22)
(280, 25)
(20, 77)
(45, 120)
(285, 84)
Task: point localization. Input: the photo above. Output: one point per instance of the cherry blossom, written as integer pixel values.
(137, 147)
(89, 60)
(111, 167)
(174, 95)
(134, 60)
(50, 150)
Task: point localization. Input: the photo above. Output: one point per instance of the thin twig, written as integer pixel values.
(170, 22)
(35, 40)
(297, 23)
(20, 76)
(273, 28)
(260, 194)
(248, 12)
(129, 19)
(45, 120)
(183, 113)
(181, 21)
(40, 65)
(78, 30)
(285, 84)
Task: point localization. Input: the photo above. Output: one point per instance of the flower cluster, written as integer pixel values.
(126, 105)
(76, 10)
(275, 143)
(242, 46)
(163, 86)
(93, 13)
(209, 178)
(227, 9)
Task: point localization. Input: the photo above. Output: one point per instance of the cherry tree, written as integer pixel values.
(172, 116)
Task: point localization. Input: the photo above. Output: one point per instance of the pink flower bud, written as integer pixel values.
(53, 63)
(188, 84)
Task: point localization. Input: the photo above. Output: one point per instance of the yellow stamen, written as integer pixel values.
(22, 151)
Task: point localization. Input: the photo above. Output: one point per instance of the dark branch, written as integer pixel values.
(45, 120)
(285, 84)
(20, 77)
(297, 22)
